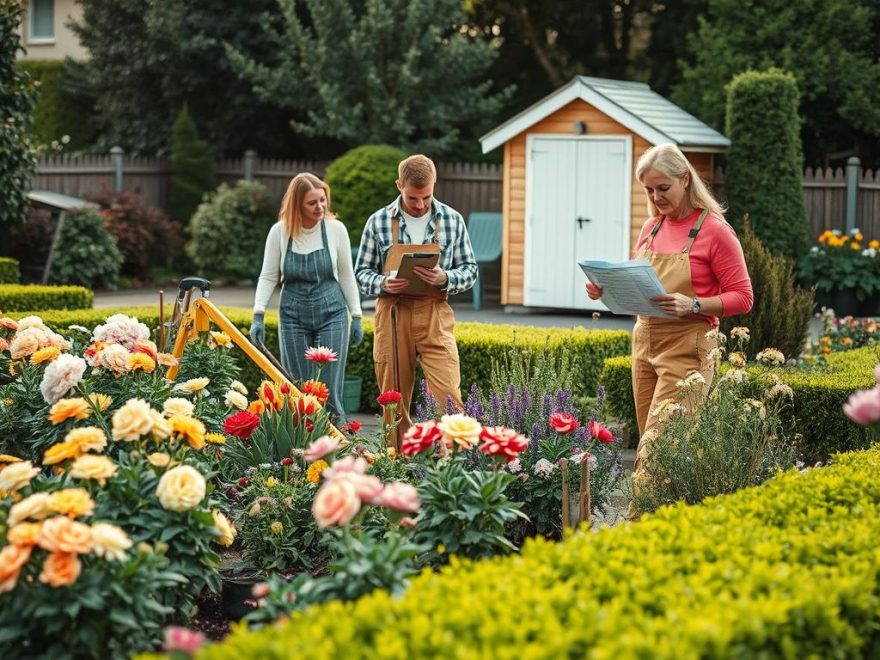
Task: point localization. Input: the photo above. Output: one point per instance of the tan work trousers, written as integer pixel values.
(425, 335)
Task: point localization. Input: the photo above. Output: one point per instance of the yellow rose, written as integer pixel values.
(177, 406)
(236, 400)
(36, 506)
(227, 529)
(64, 409)
(61, 451)
(141, 362)
(181, 488)
(161, 427)
(60, 569)
(93, 467)
(132, 420)
(24, 533)
(46, 354)
(193, 385)
(71, 502)
(189, 429)
(12, 558)
(100, 401)
(159, 459)
(460, 429)
(109, 541)
(87, 438)
(16, 476)
(61, 534)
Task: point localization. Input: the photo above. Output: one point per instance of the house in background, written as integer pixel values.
(569, 190)
(44, 31)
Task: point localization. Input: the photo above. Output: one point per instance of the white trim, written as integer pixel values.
(39, 40)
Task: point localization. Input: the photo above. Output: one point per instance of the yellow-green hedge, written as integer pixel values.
(817, 411)
(788, 569)
(38, 297)
(478, 345)
(9, 271)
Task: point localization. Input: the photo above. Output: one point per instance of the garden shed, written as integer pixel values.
(569, 192)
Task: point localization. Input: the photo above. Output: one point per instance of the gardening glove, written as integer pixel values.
(258, 329)
(357, 331)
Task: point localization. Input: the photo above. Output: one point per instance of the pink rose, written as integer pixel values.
(420, 437)
(600, 432)
(502, 441)
(863, 406)
(320, 448)
(563, 422)
(354, 464)
(336, 503)
(366, 486)
(183, 640)
(398, 496)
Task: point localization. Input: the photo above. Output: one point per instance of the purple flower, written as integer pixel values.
(563, 400)
(547, 405)
(451, 406)
(581, 435)
(535, 437)
(495, 408)
(473, 407)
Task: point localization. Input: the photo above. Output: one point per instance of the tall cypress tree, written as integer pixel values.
(192, 173)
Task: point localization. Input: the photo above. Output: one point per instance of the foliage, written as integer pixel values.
(192, 175)
(843, 262)
(781, 311)
(229, 231)
(828, 45)
(9, 273)
(372, 85)
(86, 253)
(17, 97)
(144, 234)
(844, 334)
(765, 162)
(36, 297)
(362, 182)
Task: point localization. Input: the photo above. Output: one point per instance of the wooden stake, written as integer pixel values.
(161, 321)
(584, 497)
(566, 495)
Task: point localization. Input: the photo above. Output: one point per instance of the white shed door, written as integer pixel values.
(577, 208)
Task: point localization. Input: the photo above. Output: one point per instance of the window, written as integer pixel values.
(41, 15)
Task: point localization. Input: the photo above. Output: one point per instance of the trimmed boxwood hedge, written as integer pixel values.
(788, 569)
(817, 411)
(9, 271)
(38, 297)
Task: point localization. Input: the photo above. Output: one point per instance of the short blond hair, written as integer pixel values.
(417, 170)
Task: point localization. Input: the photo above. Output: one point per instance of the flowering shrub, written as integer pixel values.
(843, 261)
(844, 334)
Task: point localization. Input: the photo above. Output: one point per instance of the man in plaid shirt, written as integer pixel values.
(425, 321)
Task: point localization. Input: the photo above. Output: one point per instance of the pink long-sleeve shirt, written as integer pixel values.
(718, 267)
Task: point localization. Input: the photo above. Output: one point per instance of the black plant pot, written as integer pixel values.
(237, 595)
(843, 301)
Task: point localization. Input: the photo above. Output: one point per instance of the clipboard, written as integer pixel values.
(409, 261)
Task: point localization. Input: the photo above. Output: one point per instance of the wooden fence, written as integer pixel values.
(466, 187)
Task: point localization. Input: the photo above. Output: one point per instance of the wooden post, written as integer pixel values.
(116, 154)
(852, 191)
(584, 498)
(566, 494)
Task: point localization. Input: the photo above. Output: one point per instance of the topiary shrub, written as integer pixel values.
(780, 316)
(765, 162)
(9, 273)
(362, 182)
(229, 231)
(86, 252)
(192, 168)
(38, 297)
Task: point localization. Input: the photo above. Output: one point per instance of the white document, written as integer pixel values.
(627, 287)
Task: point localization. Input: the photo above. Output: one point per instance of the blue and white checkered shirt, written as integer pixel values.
(456, 254)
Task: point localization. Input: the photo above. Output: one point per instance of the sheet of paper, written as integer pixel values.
(628, 286)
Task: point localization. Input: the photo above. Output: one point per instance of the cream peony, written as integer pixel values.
(16, 476)
(193, 385)
(109, 541)
(177, 406)
(61, 376)
(36, 507)
(87, 438)
(90, 466)
(227, 529)
(460, 429)
(236, 400)
(122, 329)
(181, 488)
(24, 343)
(132, 420)
(114, 358)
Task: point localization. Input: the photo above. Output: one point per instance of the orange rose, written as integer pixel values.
(67, 408)
(61, 534)
(12, 558)
(60, 569)
(26, 533)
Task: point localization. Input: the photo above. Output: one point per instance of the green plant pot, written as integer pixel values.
(351, 394)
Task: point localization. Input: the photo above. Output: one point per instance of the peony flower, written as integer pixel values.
(320, 355)
(460, 429)
(114, 358)
(239, 387)
(398, 496)
(563, 422)
(335, 503)
(90, 466)
(121, 329)
(188, 428)
(159, 459)
(236, 400)
(182, 640)
(388, 398)
(420, 437)
(60, 452)
(132, 421)
(46, 354)
(502, 441)
(24, 344)
(181, 488)
(141, 362)
(320, 448)
(12, 558)
(600, 432)
(36, 507)
(61, 534)
(16, 476)
(71, 502)
(61, 376)
(193, 385)
(225, 527)
(242, 424)
(60, 569)
(65, 409)
(109, 541)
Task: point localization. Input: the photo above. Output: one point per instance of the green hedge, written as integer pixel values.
(817, 412)
(37, 297)
(785, 570)
(9, 272)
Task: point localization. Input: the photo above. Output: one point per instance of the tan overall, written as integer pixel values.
(665, 351)
(411, 328)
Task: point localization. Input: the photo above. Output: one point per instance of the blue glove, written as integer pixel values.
(357, 331)
(258, 329)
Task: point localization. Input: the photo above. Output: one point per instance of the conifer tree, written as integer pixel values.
(192, 172)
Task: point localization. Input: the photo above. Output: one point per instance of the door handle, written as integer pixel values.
(581, 222)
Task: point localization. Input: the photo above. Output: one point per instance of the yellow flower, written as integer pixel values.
(391, 452)
(178, 406)
(193, 385)
(167, 360)
(220, 338)
(61, 451)
(227, 529)
(215, 438)
(64, 409)
(159, 459)
(441, 549)
(132, 421)
(16, 476)
(109, 541)
(12, 558)
(276, 528)
(460, 429)
(257, 407)
(87, 438)
(24, 533)
(100, 401)
(858, 236)
(7, 458)
(93, 467)
(36, 506)
(855, 246)
(271, 482)
(315, 470)
(238, 386)
(189, 429)
(161, 426)
(61, 534)
(46, 354)
(141, 362)
(875, 244)
(181, 488)
(71, 502)
(236, 400)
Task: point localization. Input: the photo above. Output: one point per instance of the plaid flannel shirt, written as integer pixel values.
(456, 254)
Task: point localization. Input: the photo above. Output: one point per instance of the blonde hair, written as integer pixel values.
(670, 161)
(291, 206)
(417, 170)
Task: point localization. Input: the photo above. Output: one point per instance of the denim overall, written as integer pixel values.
(313, 313)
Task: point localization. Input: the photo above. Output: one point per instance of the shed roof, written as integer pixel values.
(633, 104)
(59, 201)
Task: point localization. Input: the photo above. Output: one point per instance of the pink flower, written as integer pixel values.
(320, 355)
(354, 464)
(600, 432)
(877, 373)
(366, 486)
(863, 406)
(420, 437)
(183, 640)
(502, 441)
(398, 496)
(320, 448)
(336, 503)
(563, 422)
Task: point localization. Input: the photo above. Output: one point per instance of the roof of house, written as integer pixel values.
(633, 104)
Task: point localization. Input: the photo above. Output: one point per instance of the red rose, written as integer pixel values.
(354, 427)
(563, 422)
(502, 441)
(388, 397)
(600, 432)
(420, 437)
(287, 460)
(242, 424)
(243, 482)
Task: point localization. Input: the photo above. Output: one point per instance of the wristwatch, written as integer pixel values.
(696, 306)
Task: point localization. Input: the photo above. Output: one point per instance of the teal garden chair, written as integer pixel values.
(486, 232)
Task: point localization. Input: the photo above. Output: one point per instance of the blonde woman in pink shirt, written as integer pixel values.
(700, 263)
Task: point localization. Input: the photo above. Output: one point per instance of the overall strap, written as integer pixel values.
(324, 235)
(651, 236)
(395, 227)
(692, 234)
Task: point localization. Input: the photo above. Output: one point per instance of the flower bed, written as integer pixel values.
(787, 569)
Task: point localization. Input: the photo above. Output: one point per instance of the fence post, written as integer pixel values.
(852, 190)
(250, 158)
(116, 156)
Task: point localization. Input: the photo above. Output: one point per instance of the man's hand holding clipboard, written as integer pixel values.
(417, 272)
